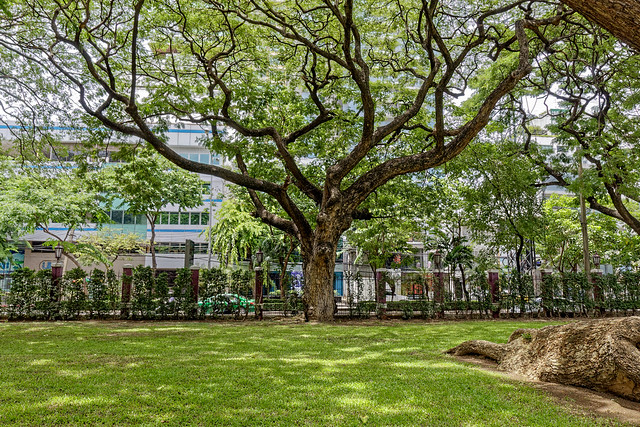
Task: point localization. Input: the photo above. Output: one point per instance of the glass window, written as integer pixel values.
(128, 218)
(141, 219)
(184, 218)
(195, 218)
(186, 156)
(163, 218)
(204, 218)
(193, 157)
(173, 218)
(116, 216)
(205, 158)
(215, 161)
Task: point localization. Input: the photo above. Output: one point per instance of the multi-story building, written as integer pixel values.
(174, 227)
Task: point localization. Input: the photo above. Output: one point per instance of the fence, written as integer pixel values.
(406, 294)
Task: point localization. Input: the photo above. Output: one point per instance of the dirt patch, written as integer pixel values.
(579, 400)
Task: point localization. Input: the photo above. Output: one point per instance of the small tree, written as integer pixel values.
(147, 183)
(113, 291)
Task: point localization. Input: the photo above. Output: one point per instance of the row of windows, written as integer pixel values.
(205, 158)
(184, 218)
(167, 218)
(179, 248)
(70, 155)
(123, 217)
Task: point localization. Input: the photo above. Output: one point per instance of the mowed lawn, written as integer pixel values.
(248, 373)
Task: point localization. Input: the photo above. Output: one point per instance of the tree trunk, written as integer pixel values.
(464, 284)
(318, 286)
(599, 354)
(319, 260)
(620, 17)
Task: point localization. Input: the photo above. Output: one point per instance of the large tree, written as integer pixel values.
(592, 82)
(620, 17)
(319, 104)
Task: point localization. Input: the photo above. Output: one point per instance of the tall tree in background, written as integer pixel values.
(502, 202)
(320, 104)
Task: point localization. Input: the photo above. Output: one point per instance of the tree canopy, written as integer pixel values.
(318, 104)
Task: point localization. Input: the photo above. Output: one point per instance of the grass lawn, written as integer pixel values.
(246, 373)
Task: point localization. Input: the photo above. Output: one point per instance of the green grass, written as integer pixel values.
(117, 373)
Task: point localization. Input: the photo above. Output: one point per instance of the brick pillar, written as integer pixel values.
(495, 293)
(56, 276)
(127, 279)
(195, 282)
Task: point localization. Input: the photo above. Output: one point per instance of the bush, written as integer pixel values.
(22, 297)
(143, 304)
(74, 295)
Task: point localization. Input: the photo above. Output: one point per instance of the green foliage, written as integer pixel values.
(106, 246)
(560, 244)
(213, 281)
(183, 298)
(236, 234)
(22, 295)
(161, 295)
(143, 304)
(113, 285)
(74, 299)
(146, 182)
(98, 294)
(35, 199)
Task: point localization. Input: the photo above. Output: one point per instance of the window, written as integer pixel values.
(184, 218)
(141, 219)
(205, 158)
(173, 218)
(193, 157)
(163, 218)
(129, 218)
(204, 218)
(195, 218)
(116, 216)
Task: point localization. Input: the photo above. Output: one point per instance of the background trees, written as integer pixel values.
(37, 198)
(146, 183)
(322, 103)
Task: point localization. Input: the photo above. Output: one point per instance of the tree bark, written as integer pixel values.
(599, 354)
(620, 17)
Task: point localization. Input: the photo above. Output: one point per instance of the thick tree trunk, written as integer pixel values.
(318, 286)
(319, 260)
(599, 354)
(620, 17)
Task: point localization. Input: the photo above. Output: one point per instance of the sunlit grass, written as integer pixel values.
(249, 373)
